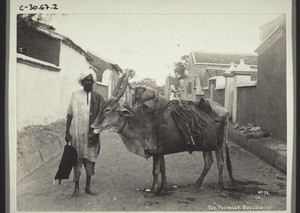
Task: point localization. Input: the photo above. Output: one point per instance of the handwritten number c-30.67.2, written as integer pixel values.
(40, 7)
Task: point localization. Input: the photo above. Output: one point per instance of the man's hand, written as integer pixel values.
(68, 137)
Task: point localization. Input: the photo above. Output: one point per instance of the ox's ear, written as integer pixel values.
(125, 112)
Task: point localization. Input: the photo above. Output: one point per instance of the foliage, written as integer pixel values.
(40, 17)
(34, 19)
(146, 82)
(149, 82)
(25, 17)
(180, 66)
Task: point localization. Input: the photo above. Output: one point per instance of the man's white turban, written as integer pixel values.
(84, 74)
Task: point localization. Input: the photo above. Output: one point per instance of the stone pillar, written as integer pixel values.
(229, 89)
(241, 74)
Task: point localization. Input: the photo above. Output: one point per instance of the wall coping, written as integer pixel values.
(242, 72)
(272, 38)
(220, 88)
(247, 84)
(227, 75)
(36, 63)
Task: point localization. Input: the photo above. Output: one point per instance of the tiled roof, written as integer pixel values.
(224, 58)
(102, 65)
(98, 63)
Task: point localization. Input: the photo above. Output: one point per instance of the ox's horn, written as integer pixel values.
(118, 85)
(123, 86)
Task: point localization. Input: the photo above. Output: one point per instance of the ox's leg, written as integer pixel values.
(208, 161)
(163, 173)
(164, 185)
(220, 161)
(155, 173)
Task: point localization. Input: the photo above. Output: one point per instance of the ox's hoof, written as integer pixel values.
(165, 189)
(218, 190)
(162, 191)
(150, 195)
(75, 193)
(194, 186)
(88, 191)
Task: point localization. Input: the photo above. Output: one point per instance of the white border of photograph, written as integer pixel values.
(148, 7)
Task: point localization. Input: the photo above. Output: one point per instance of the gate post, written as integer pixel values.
(242, 74)
(229, 89)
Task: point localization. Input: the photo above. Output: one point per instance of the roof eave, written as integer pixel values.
(277, 33)
(117, 68)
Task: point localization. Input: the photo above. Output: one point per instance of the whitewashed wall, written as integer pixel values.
(43, 95)
(72, 63)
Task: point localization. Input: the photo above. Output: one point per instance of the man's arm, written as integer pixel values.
(68, 135)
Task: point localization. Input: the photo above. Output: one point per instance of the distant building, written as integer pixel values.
(271, 112)
(40, 41)
(267, 29)
(107, 75)
(48, 66)
(204, 65)
(263, 102)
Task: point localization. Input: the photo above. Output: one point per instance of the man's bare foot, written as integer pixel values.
(75, 193)
(88, 191)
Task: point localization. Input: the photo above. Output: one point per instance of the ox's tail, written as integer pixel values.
(228, 161)
(228, 164)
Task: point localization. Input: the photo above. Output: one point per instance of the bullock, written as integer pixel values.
(151, 129)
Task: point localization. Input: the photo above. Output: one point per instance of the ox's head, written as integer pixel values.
(112, 115)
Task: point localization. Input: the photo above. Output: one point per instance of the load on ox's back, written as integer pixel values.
(157, 127)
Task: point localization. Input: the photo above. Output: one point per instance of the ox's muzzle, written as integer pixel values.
(96, 130)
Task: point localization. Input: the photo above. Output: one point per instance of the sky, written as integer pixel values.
(150, 44)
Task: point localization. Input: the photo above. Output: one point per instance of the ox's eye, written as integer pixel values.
(108, 109)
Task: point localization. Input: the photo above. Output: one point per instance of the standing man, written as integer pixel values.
(83, 108)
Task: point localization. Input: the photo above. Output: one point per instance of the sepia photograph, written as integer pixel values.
(147, 109)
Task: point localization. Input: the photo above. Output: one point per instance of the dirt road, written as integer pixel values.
(122, 178)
